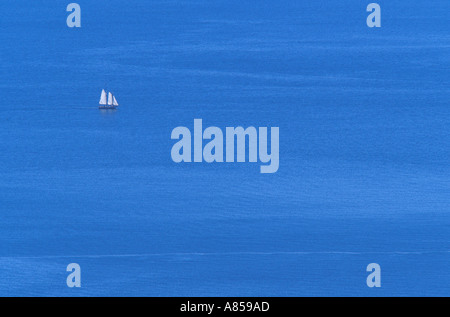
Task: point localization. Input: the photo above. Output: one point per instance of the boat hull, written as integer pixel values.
(108, 107)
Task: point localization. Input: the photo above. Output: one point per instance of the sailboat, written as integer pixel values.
(109, 102)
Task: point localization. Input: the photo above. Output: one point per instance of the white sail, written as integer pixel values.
(110, 99)
(115, 103)
(103, 98)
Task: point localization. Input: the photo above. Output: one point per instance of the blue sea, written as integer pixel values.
(364, 176)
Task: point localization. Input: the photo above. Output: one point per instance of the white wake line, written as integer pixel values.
(225, 254)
